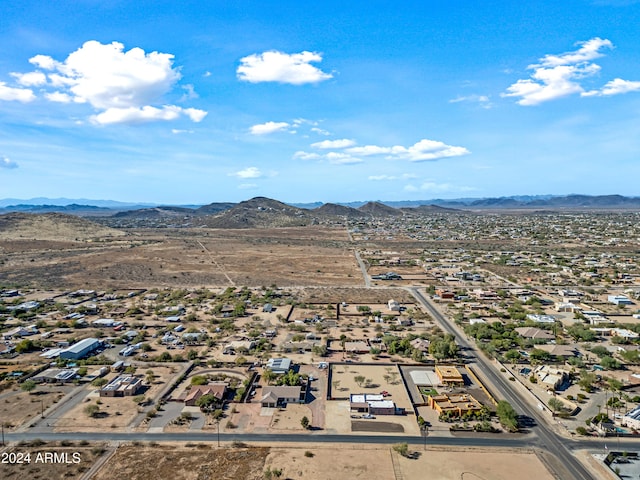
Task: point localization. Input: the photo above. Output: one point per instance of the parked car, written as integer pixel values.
(368, 416)
(356, 416)
(384, 393)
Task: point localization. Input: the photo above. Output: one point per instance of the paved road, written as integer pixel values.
(565, 465)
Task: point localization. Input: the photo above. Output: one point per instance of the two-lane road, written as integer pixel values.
(566, 466)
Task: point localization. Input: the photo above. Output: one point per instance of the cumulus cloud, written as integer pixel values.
(268, 127)
(31, 79)
(6, 162)
(337, 158)
(557, 76)
(58, 97)
(423, 150)
(302, 155)
(275, 66)
(123, 86)
(332, 144)
(249, 172)
(615, 87)
(23, 95)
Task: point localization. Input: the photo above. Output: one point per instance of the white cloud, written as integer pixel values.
(247, 186)
(328, 144)
(143, 114)
(58, 97)
(336, 158)
(557, 76)
(177, 131)
(320, 131)
(306, 155)
(18, 94)
(122, 86)
(589, 50)
(482, 100)
(31, 79)
(268, 127)
(6, 162)
(421, 151)
(615, 87)
(249, 172)
(194, 114)
(275, 66)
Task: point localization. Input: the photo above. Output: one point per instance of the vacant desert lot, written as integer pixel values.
(319, 462)
(187, 257)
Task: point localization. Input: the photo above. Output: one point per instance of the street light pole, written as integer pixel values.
(425, 433)
(218, 424)
(41, 408)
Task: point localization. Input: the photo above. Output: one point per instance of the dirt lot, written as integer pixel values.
(474, 464)
(188, 258)
(60, 469)
(16, 406)
(376, 464)
(198, 462)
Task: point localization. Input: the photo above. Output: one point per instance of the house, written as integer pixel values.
(56, 375)
(420, 344)
(561, 351)
(279, 396)
(632, 418)
(18, 332)
(372, 404)
(217, 389)
(534, 333)
(550, 377)
(624, 333)
(122, 386)
(358, 346)
(267, 308)
(449, 375)
(393, 306)
(238, 346)
(279, 366)
(538, 318)
(455, 404)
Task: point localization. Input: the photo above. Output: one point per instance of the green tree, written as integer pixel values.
(304, 421)
(507, 415)
(556, 404)
(207, 402)
(92, 410)
(402, 449)
(359, 379)
(28, 386)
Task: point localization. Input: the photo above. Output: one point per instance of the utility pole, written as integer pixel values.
(41, 408)
(218, 424)
(425, 433)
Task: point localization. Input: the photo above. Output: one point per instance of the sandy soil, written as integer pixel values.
(303, 256)
(198, 462)
(38, 470)
(468, 464)
(376, 463)
(16, 407)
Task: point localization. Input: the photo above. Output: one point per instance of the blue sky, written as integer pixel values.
(195, 102)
